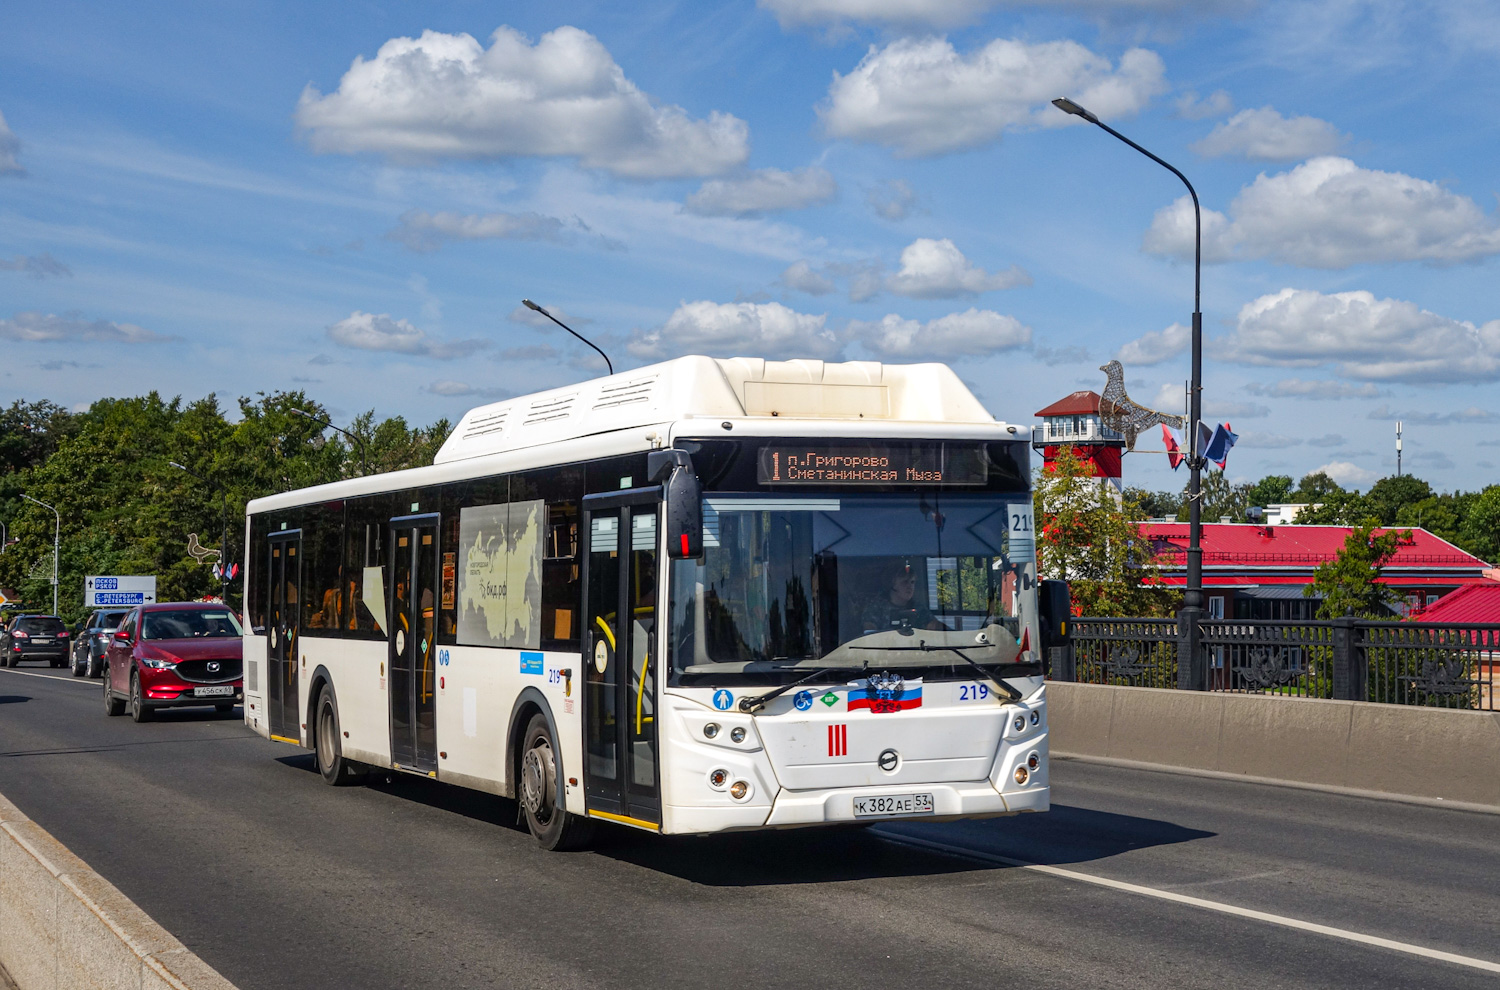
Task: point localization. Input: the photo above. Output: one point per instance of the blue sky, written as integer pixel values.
(352, 198)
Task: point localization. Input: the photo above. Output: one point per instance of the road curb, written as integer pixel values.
(63, 926)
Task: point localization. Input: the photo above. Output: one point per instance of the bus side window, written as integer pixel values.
(560, 579)
(364, 576)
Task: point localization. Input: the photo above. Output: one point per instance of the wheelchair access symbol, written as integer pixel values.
(723, 699)
(803, 700)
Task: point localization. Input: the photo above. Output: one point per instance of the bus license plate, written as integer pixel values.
(885, 806)
(214, 692)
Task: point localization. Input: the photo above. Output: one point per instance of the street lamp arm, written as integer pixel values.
(56, 539)
(364, 465)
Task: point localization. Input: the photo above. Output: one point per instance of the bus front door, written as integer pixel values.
(284, 572)
(620, 664)
(413, 647)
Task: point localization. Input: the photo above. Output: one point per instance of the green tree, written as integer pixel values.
(1389, 496)
(1086, 538)
(1348, 584)
(1273, 489)
(1316, 487)
(1153, 505)
(1481, 526)
(1220, 499)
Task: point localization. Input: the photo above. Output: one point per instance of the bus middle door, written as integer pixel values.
(412, 649)
(283, 627)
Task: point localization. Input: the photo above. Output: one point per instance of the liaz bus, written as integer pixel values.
(701, 596)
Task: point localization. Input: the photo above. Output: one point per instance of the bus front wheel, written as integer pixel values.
(539, 792)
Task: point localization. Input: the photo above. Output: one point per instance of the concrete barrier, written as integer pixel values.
(1419, 753)
(64, 927)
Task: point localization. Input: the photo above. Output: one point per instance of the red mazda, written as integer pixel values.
(173, 655)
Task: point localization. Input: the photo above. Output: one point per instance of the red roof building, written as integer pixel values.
(1258, 572)
(1469, 603)
(1075, 421)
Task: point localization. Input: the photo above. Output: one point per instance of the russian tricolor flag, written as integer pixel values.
(861, 695)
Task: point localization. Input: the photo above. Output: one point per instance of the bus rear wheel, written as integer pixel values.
(336, 770)
(539, 792)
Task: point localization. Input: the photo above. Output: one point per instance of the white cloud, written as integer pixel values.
(1347, 473)
(369, 332)
(892, 200)
(933, 269)
(10, 146)
(1227, 412)
(950, 13)
(800, 277)
(422, 231)
(1266, 441)
(1330, 213)
(1265, 135)
(1364, 338)
(1053, 356)
(973, 332)
(39, 327)
(729, 329)
(449, 388)
(1298, 388)
(1156, 346)
(446, 96)
(921, 97)
(37, 266)
(765, 190)
(1215, 104)
(1473, 414)
(1327, 440)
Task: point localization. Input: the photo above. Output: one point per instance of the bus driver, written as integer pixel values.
(899, 608)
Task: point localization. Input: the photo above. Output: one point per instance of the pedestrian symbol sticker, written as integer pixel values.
(723, 699)
(803, 700)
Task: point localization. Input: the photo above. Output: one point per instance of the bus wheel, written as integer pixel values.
(331, 763)
(540, 781)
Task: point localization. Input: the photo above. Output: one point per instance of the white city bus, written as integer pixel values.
(699, 596)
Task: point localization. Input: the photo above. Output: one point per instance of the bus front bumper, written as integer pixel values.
(966, 800)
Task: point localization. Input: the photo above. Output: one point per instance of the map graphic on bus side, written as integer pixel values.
(500, 574)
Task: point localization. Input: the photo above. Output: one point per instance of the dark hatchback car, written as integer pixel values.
(172, 655)
(35, 637)
(93, 639)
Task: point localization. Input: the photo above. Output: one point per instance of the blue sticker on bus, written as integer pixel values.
(723, 699)
(531, 663)
(803, 700)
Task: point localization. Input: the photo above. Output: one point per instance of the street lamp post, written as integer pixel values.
(223, 531)
(56, 534)
(364, 466)
(1189, 673)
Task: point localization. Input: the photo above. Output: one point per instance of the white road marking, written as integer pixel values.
(92, 682)
(1220, 907)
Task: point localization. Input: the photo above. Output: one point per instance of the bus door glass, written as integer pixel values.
(284, 572)
(412, 646)
(620, 659)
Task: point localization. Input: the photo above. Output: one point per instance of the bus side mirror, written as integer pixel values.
(684, 498)
(1055, 602)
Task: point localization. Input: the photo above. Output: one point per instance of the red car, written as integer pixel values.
(172, 655)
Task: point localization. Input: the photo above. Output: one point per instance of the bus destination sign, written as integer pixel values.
(869, 464)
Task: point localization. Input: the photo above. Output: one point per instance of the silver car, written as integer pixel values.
(88, 648)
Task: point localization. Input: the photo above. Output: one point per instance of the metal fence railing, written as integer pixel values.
(1441, 665)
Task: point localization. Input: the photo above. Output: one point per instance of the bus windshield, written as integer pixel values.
(880, 580)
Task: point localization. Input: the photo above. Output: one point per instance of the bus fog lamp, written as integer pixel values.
(1020, 722)
(1022, 775)
(737, 734)
(710, 730)
(1033, 761)
(738, 790)
(1036, 717)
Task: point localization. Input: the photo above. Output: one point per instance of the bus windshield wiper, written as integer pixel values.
(755, 704)
(1004, 688)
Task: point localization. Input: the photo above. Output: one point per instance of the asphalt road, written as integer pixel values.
(279, 881)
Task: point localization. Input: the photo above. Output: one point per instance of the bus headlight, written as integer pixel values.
(737, 734)
(739, 790)
(1020, 722)
(710, 730)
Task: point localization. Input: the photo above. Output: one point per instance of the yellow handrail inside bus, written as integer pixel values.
(608, 633)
